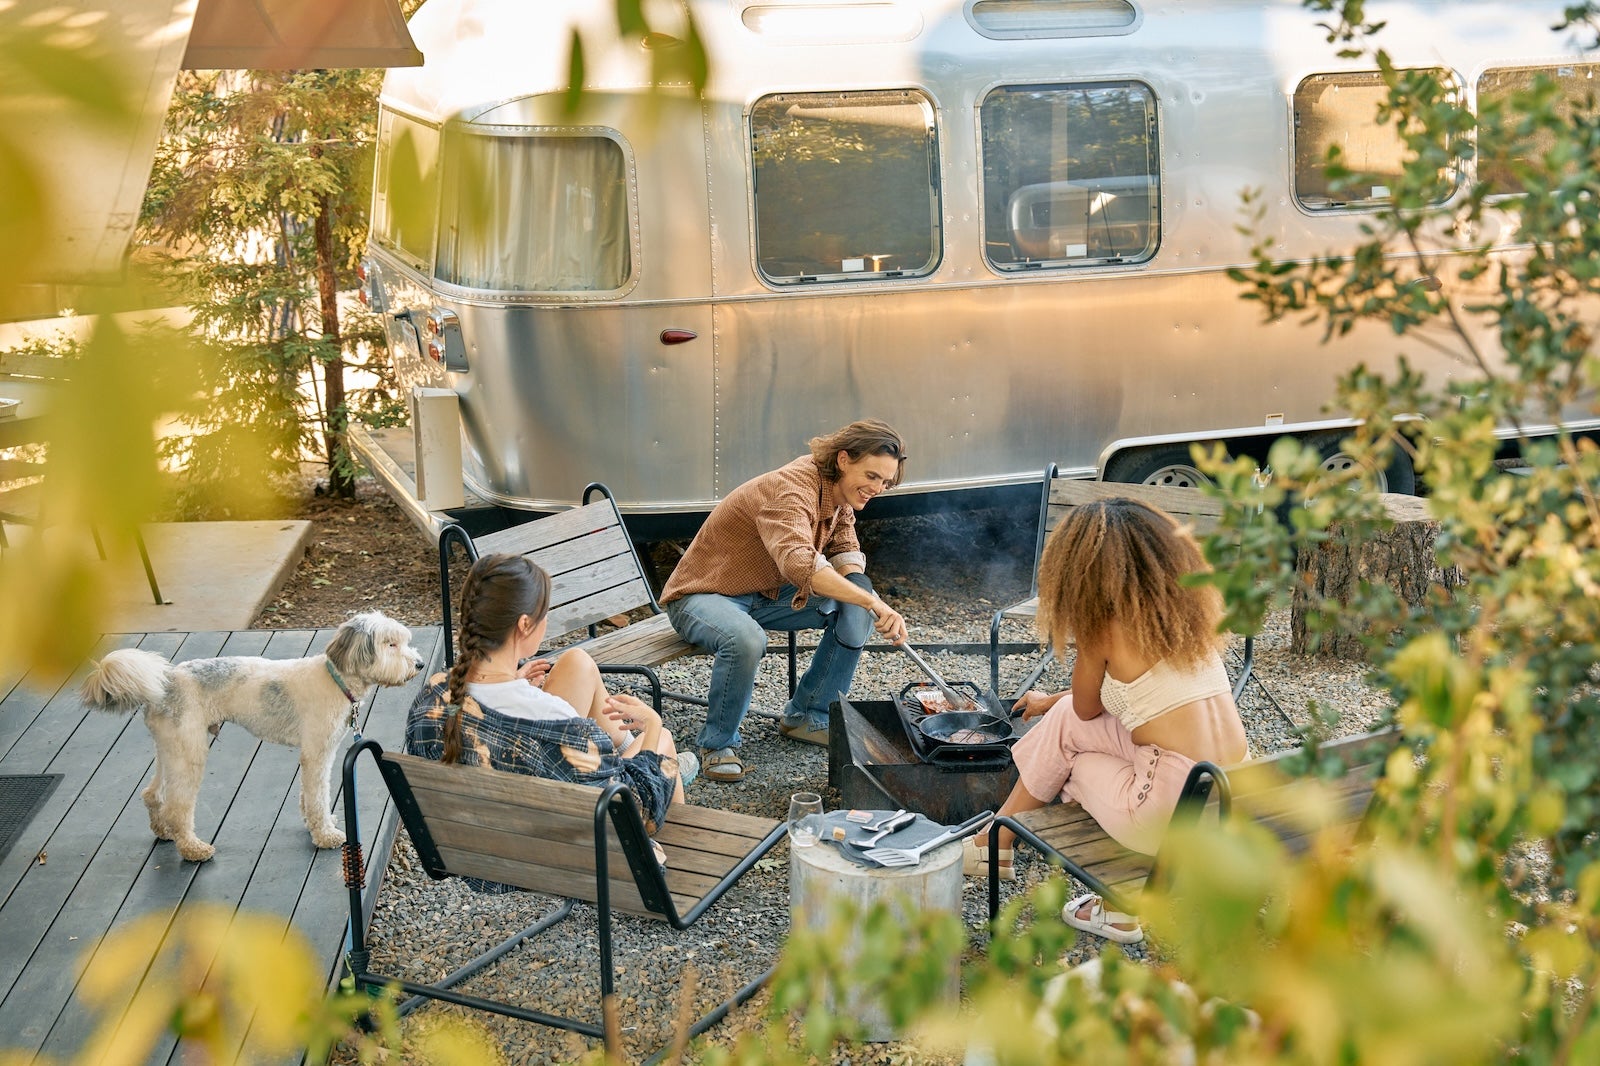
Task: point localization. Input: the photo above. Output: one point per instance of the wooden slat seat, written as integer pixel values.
(578, 842)
(1058, 496)
(1293, 809)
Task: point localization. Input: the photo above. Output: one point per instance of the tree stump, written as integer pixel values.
(1400, 557)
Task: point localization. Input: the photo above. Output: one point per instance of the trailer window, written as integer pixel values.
(534, 212)
(846, 185)
(1070, 175)
(1341, 111)
(405, 188)
(1577, 86)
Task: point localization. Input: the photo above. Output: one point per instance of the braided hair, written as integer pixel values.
(498, 591)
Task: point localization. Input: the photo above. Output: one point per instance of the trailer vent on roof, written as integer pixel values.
(806, 22)
(1052, 18)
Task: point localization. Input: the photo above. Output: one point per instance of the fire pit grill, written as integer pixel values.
(873, 765)
(947, 746)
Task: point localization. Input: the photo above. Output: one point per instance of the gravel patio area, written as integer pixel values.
(946, 599)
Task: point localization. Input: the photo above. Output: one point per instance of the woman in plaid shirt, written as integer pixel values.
(502, 708)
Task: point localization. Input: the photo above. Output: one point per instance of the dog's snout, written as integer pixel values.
(418, 665)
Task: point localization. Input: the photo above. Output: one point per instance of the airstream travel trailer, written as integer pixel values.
(1002, 225)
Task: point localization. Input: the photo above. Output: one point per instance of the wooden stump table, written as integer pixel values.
(819, 876)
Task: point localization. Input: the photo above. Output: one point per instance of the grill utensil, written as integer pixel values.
(912, 856)
(898, 820)
(958, 702)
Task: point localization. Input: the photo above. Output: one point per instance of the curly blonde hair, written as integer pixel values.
(1119, 561)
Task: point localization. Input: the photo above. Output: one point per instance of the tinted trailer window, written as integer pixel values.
(846, 185)
(1070, 176)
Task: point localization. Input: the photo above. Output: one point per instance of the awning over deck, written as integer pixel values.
(299, 35)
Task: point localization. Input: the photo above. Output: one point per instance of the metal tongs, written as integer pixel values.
(957, 701)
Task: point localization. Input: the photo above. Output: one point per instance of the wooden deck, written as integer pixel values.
(87, 861)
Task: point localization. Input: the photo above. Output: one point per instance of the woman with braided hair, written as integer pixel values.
(1149, 699)
(501, 707)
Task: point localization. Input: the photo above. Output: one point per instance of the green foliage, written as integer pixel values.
(258, 205)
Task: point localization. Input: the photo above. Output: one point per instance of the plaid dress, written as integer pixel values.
(576, 750)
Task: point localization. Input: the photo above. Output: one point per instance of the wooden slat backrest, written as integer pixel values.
(1190, 506)
(594, 574)
(539, 835)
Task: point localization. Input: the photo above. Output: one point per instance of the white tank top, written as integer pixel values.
(1162, 688)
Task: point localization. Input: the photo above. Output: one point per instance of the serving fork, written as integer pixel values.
(911, 856)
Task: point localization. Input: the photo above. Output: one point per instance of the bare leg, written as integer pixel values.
(669, 750)
(575, 678)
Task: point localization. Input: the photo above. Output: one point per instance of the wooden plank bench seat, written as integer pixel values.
(1058, 497)
(577, 842)
(1067, 835)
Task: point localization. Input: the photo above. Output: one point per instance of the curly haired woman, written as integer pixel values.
(1150, 696)
(502, 708)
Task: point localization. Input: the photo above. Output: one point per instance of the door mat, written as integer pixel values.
(21, 796)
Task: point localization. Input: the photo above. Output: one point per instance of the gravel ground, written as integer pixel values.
(923, 567)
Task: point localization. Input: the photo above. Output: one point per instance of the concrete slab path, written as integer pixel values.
(213, 575)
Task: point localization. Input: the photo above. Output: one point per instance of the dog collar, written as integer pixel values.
(333, 672)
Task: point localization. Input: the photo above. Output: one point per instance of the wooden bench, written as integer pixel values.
(1258, 789)
(595, 575)
(574, 841)
(1058, 497)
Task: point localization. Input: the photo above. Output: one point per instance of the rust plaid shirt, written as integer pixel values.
(776, 529)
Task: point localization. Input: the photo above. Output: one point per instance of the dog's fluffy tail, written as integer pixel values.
(126, 680)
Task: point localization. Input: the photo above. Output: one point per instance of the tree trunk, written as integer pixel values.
(341, 474)
(1400, 557)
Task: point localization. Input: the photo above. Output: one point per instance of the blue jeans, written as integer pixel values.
(734, 630)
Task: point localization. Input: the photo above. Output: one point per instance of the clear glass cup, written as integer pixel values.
(805, 817)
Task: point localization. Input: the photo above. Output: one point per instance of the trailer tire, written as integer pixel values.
(1396, 475)
(1169, 465)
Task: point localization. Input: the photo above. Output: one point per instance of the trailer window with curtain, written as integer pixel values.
(846, 186)
(1576, 86)
(1341, 111)
(1071, 175)
(534, 211)
(405, 188)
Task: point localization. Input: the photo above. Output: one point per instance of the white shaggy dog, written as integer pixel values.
(306, 703)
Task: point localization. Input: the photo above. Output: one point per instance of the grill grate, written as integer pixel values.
(21, 796)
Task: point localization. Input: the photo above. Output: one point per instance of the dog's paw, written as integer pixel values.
(327, 838)
(196, 850)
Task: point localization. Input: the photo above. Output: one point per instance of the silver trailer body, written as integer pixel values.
(1055, 293)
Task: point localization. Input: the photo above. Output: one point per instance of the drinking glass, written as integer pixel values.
(805, 812)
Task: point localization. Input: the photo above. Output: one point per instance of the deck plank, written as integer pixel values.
(54, 965)
(103, 866)
(307, 909)
(238, 837)
(55, 909)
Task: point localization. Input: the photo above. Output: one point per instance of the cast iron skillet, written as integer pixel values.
(940, 727)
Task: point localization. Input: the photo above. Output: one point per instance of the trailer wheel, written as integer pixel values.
(1396, 475)
(1168, 465)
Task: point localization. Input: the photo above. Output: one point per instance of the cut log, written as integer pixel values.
(1400, 557)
